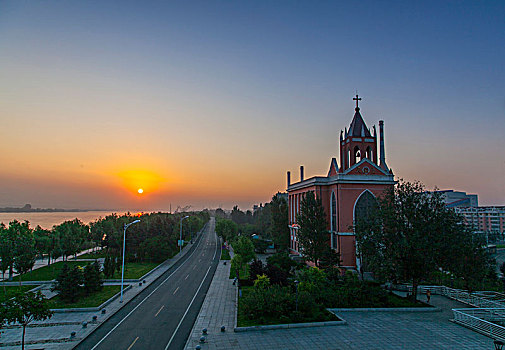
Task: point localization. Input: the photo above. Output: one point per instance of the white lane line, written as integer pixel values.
(133, 343)
(199, 260)
(183, 316)
(186, 277)
(192, 300)
(136, 307)
(161, 308)
(176, 290)
(194, 267)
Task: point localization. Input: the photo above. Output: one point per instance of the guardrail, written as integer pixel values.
(482, 320)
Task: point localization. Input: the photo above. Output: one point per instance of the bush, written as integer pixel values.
(268, 302)
(276, 275)
(281, 260)
(262, 282)
(256, 268)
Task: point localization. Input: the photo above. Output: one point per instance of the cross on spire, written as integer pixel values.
(357, 99)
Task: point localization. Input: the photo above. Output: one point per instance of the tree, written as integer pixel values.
(6, 250)
(24, 253)
(312, 235)
(68, 283)
(25, 308)
(43, 242)
(279, 226)
(412, 233)
(245, 248)
(227, 229)
(92, 278)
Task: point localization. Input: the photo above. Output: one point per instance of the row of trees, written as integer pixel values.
(153, 239)
(270, 221)
(73, 283)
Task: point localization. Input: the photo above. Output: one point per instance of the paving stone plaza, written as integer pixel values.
(364, 330)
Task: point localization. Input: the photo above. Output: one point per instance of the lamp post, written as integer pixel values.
(180, 234)
(296, 283)
(124, 246)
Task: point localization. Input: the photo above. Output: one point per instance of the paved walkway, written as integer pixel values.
(364, 330)
(55, 333)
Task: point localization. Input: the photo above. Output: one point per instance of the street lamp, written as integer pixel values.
(296, 283)
(124, 246)
(180, 235)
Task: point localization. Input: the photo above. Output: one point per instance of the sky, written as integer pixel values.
(209, 103)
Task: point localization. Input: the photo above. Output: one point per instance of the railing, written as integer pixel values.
(488, 316)
(483, 320)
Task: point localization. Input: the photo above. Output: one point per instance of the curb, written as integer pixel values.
(289, 326)
(388, 309)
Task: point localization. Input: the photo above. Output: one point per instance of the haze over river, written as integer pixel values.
(48, 220)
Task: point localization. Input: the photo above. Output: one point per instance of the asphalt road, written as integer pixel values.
(162, 315)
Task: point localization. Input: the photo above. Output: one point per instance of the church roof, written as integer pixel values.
(358, 127)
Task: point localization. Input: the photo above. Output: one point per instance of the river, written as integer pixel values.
(48, 220)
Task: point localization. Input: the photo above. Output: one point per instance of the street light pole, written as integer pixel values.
(124, 246)
(180, 234)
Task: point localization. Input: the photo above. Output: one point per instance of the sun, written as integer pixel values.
(140, 191)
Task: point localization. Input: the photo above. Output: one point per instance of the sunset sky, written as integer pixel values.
(209, 103)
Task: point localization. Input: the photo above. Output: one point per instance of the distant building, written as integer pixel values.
(485, 220)
(455, 199)
(348, 192)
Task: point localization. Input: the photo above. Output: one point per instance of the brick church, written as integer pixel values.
(347, 191)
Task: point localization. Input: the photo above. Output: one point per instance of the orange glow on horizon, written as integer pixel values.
(141, 181)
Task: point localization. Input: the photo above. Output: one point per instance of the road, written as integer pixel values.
(162, 315)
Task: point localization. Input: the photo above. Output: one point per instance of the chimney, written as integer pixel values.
(382, 160)
(289, 178)
(301, 172)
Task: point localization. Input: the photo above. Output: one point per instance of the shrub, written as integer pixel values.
(268, 302)
(276, 275)
(281, 260)
(69, 283)
(262, 282)
(256, 268)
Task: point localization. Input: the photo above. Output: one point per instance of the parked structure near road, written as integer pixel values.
(348, 191)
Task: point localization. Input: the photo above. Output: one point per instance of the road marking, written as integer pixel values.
(183, 316)
(191, 303)
(161, 308)
(136, 307)
(176, 290)
(194, 267)
(186, 277)
(199, 260)
(133, 343)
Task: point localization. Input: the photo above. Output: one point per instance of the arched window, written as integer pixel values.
(365, 205)
(369, 154)
(348, 158)
(333, 212)
(357, 155)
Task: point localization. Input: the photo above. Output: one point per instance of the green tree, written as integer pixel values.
(25, 308)
(312, 235)
(7, 244)
(69, 283)
(92, 278)
(245, 248)
(24, 247)
(412, 234)
(227, 229)
(43, 242)
(279, 226)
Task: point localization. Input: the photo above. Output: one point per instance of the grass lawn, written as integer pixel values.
(7, 292)
(97, 255)
(243, 274)
(135, 270)
(93, 300)
(243, 321)
(48, 273)
(225, 254)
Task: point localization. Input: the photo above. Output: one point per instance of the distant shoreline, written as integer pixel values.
(27, 208)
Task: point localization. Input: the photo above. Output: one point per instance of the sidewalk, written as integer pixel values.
(365, 330)
(55, 333)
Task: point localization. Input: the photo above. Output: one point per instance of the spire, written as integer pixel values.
(358, 127)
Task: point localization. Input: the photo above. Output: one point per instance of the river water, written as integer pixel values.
(48, 220)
